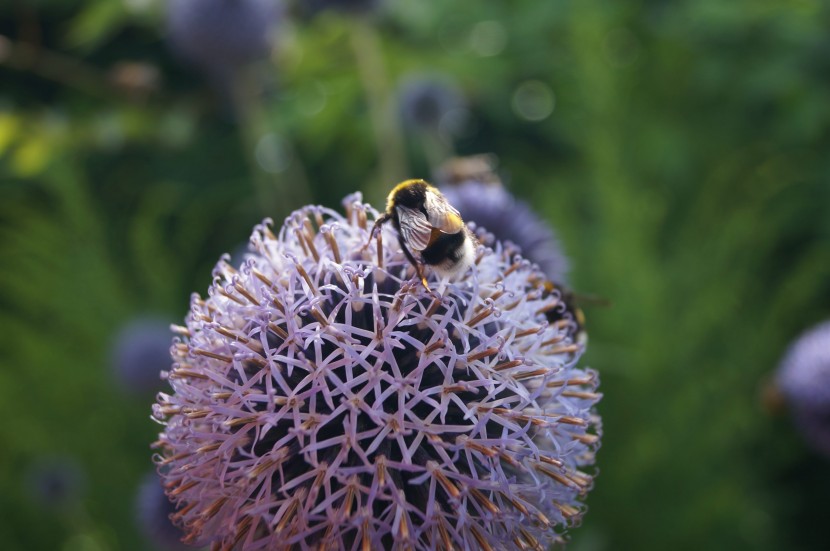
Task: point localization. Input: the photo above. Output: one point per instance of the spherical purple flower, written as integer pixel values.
(323, 399)
(140, 353)
(480, 198)
(431, 102)
(153, 510)
(804, 379)
(218, 35)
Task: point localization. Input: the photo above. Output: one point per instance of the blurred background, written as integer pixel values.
(679, 149)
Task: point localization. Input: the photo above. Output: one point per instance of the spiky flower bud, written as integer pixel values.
(140, 353)
(56, 483)
(220, 35)
(804, 379)
(323, 399)
(312, 7)
(426, 100)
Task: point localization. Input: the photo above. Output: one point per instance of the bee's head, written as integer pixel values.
(409, 193)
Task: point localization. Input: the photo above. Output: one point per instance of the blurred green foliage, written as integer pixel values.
(684, 165)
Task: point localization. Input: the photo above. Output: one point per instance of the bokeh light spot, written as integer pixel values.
(488, 38)
(453, 124)
(271, 154)
(313, 99)
(533, 100)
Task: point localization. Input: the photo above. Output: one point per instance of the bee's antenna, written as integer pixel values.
(381, 220)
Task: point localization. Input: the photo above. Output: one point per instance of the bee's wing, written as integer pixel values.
(415, 228)
(442, 215)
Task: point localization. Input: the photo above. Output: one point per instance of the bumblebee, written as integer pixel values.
(430, 227)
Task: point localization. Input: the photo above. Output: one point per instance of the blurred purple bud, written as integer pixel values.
(428, 100)
(222, 35)
(497, 215)
(153, 510)
(322, 397)
(56, 483)
(141, 351)
(313, 7)
(804, 379)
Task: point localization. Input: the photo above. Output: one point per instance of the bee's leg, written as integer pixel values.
(420, 271)
(378, 223)
(418, 267)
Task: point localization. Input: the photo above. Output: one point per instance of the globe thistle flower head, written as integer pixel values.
(803, 378)
(480, 197)
(140, 353)
(221, 35)
(427, 102)
(322, 398)
(153, 510)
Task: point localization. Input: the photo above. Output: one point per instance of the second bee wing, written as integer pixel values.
(442, 215)
(415, 228)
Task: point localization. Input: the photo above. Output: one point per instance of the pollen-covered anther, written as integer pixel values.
(530, 374)
(209, 447)
(279, 331)
(232, 335)
(481, 315)
(451, 489)
(225, 293)
(466, 441)
(512, 268)
(567, 349)
(233, 423)
(198, 413)
(584, 381)
(483, 544)
(182, 373)
(245, 293)
(327, 230)
(587, 439)
(535, 330)
(484, 501)
(567, 510)
(180, 330)
(432, 347)
(214, 355)
(508, 365)
(582, 395)
(174, 458)
(482, 354)
(379, 239)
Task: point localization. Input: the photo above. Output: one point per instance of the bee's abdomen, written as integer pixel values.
(446, 247)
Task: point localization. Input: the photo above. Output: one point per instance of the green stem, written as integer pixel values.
(54, 66)
(382, 106)
(273, 191)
